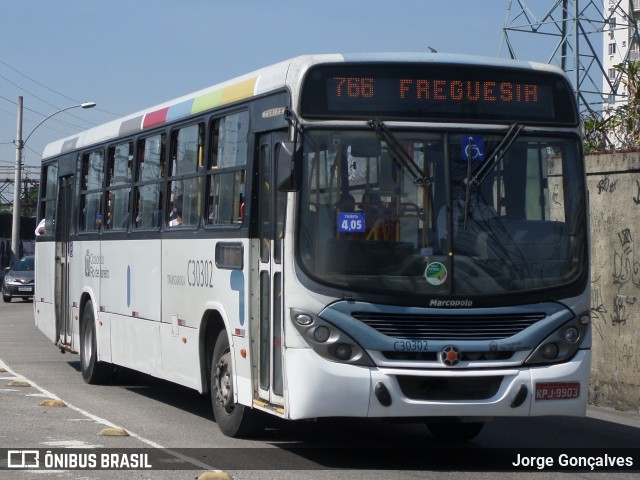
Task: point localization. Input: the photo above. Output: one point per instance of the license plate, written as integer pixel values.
(25, 289)
(557, 390)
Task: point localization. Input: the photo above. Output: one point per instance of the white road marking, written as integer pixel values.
(103, 421)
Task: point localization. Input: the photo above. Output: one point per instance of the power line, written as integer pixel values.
(38, 83)
(54, 91)
(42, 100)
(77, 127)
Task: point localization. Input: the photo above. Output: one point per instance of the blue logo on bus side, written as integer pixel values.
(237, 285)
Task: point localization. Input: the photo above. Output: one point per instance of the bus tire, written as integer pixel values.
(233, 420)
(455, 431)
(93, 371)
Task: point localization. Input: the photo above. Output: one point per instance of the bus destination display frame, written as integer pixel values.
(437, 92)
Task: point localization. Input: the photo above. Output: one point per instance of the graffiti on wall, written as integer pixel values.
(605, 185)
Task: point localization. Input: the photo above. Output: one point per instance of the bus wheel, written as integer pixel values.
(455, 431)
(233, 420)
(93, 371)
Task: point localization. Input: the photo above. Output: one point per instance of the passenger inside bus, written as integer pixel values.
(347, 204)
(379, 224)
(175, 219)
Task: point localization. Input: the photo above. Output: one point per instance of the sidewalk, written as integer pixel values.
(628, 418)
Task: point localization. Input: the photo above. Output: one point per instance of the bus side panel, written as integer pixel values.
(45, 316)
(180, 360)
(127, 284)
(130, 278)
(103, 337)
(43, 298)
(135, 344)
(193, 285)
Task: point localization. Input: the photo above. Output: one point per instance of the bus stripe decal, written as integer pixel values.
(206, 102)
(130, 126)
(179, 110)
(229, 94)
(226, 95)
(152, 119)
(69, 145)
(239, 91)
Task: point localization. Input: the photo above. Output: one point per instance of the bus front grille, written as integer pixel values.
(448, 327)
(449, 388)
(435, 356)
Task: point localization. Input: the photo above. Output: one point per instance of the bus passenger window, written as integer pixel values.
(227, 170)
(48, 197)
(185, 180)
(147, 203)
(119, 164)
(91, 192)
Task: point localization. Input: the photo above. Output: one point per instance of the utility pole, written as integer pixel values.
(567, 28)
(17, 185)
(15, 231)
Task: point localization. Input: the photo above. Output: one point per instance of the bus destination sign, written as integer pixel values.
(437, 92)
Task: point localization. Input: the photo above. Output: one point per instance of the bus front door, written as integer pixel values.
(269, 310)
(64, 209)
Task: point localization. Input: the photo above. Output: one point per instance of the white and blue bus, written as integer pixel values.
(376, 235)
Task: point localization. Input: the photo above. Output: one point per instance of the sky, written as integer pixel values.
(127, 55)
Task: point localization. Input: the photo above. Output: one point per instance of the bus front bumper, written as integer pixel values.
(319, 388)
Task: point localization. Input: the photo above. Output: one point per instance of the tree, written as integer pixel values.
(595, 127)
(617, 127)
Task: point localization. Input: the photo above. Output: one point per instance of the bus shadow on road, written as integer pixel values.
(163, 391)
(329, 433)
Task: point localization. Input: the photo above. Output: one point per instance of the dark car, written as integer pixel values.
(19, 280)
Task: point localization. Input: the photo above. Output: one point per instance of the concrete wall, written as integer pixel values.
(614, 192)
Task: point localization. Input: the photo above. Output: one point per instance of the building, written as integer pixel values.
(620, 45)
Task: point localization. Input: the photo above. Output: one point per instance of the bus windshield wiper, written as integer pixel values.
(407, 162)
(488, 165)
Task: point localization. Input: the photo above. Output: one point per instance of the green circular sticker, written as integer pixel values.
(436, 273)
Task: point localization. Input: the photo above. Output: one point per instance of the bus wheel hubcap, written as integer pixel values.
(224, 392)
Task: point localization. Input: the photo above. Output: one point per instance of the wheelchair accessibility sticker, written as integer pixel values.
(473, 146)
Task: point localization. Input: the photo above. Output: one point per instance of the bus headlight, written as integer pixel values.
(328, 341)
(321, 334)
(303, 319)
(549, 351)
(562, 344)
(343, 351)
(571, 335)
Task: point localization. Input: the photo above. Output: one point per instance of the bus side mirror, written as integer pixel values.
(286, 167)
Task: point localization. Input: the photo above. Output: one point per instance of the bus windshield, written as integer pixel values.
(421, 213)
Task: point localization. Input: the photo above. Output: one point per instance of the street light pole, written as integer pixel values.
(15, 230)
(17, 185)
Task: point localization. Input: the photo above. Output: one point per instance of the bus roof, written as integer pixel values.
(271, 78)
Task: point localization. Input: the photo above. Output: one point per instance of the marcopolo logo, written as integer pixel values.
(451, 303)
